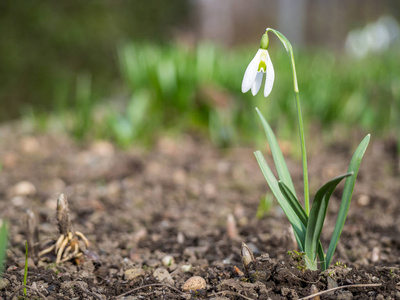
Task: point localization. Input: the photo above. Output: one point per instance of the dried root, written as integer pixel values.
(70, 244)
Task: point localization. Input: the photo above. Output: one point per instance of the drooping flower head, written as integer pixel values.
(260, 64)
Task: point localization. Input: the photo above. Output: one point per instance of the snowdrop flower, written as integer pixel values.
(260, 64)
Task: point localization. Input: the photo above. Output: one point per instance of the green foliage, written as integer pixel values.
(188, 89)
(308, 229)
(318, 214)
(346, 197)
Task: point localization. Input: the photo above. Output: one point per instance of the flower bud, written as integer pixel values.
(247, 257)
(264, 41)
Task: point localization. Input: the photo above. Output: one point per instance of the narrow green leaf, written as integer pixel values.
(317, 215)
(293, 202)
(277, 155)
(298, 209)
(298, 227)
(346, 197)
(3, 244)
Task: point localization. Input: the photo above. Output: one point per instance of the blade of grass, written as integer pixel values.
(298, 209)
(298, 227)
(277, 155)
(318, 214)
(3, 244)
(346, 197)
(26, 266)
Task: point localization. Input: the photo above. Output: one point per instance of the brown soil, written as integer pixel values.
(137, 206)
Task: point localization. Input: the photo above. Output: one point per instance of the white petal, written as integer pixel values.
(251, 72)
(257, 83)
(269, 81)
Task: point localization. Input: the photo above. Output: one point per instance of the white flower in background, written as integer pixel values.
(260, 64)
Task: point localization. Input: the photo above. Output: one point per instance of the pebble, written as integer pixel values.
(131, 274)
(23, 188)
(363, 200)
(210, 190)
(102, 149)
(9, 160)
(314, 290)
(18, 201)
(397, 297)
(21, 263)
(29, 144)
(4, 283)
(345, 295)
(162, 275)
(331, 283)
(194, 283)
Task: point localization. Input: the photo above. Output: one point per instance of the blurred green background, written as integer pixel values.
(132, 71)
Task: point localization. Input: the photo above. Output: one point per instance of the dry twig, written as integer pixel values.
(343, 287)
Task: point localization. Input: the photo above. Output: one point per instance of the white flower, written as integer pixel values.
(252, 79)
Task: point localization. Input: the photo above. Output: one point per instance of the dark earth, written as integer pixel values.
(157, 217)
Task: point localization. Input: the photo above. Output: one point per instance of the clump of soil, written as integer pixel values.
(156, 218)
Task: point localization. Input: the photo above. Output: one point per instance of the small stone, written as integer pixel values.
(23, 188)
(29, 144)
(4, 283)
(397, 296)
(21, 263)
(131, 274)
(168, 261)
(9, 160)
(363, 200)
(210, 190)
(331, 283)
(102, 148)
(194, 283)
(140, 235)
(345, 295)
(18, 201)
(179, 176)
(313, 291)
(237, 271)
(162, 275)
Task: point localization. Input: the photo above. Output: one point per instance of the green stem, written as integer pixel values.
(289, 50)
(26, 266)
(303, 154)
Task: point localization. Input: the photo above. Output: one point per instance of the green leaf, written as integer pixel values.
(346, 197)
(298, 226)
(3, 243)
(317, 215)
(298, 209)
(277, 155)
(293, 202)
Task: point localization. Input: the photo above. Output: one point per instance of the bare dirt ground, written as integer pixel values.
(155, 218)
